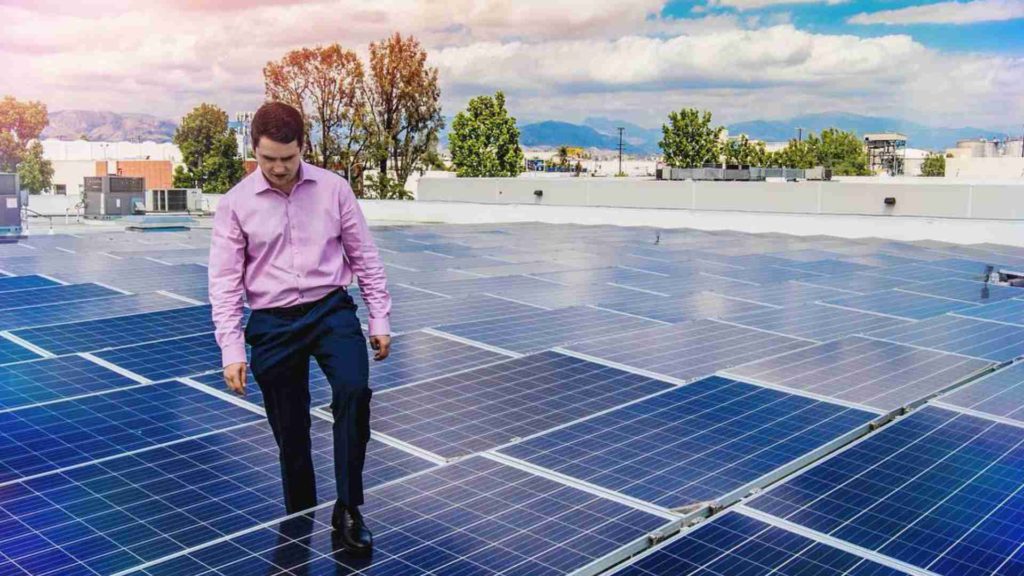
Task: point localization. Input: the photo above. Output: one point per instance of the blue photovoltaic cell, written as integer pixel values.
(54, 378)
(93, 335)
(860, 283)
(736, 544)
(544, 329)
(407, 316)
(11, 352)
(54, 294)
(978, 338)
(880, 260)
(883, 375)
(767, 274)
(39, 439)
(976, 267)
(24, 282)
(1008, 311)
(966, 290)
(500, 285)
(1000, 394)
(476, 517)
(486, 407)
(784, 295)
(682, 308)
(617, 275)
(829, 267)
(907, 305)
(165, 359)
(692, 444)
(86, 310)
(923, 272)
(689, 350)
(106, 517)
(938, 489)
(816, 321)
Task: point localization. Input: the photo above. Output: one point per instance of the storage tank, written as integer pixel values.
(991, 148)
(976, 147)
(1013, 148)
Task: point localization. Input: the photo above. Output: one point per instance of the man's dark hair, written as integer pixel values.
(279, 122)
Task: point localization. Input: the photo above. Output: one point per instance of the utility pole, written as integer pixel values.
(620, 129)
(799, 134)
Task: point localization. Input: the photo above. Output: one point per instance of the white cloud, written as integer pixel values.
(758, 4)
(946, 13)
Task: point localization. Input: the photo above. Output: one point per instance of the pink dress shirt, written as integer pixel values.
(280, 249)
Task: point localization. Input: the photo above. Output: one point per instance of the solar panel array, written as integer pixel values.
(555, 395)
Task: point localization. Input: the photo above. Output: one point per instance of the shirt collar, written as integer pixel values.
(262, 185)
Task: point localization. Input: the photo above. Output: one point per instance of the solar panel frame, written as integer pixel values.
(998, 395)
(781, 295)
(82, 310)
(11, 283)
(51, 379)
(816, 321)
(11, 352)
(960, 335)
(1005, 311)
(165, 359)
(971, 291)
(22, 299)
(677, 309)
(900, 304)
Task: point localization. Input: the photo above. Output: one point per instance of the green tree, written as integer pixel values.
(841, 151)
(484, 141)
(934, 165)
(796, 154)
(35, 172)
(689, 140)
(209, 151)
(742, 152)
(20, 124)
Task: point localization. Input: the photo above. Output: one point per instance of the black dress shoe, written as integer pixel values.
(355, 537)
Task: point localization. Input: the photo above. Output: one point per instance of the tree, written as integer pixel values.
(20, 123)
(841, 151)
(209, 151)
(484, 141)
(403, 105)
(35, 172)
(742, 152)
(325, 85)
(689, 140)
(796, 154)
(934, 165)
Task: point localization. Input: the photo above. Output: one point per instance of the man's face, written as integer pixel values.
(279, 162)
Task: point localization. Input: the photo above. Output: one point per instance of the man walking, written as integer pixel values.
(289, 238)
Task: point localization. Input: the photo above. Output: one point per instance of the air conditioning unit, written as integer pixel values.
(174, 200)
(10, 207)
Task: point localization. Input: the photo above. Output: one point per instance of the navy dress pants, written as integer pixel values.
(282, 341)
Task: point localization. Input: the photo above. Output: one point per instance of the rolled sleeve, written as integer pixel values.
(364, 259)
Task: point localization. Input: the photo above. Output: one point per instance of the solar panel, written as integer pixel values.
(976, 267)
(736, 543)
(815, 321)
(923, 272)
(682, 285)
(417, 314)
(977, 338)
(18, 299)
(555, 296)
(12, 352)
(999, 394)
(861, 283)
(1007, 311)
(114, 515)
(966, 290)
(400, 292)
(164, 359)
(882, 375)
(615, 274)
(829, 267)
(508, 286)
(690, 350)
(54, 378)
(24, 282)
(38, 439)
(86, 310)
(493, 405)
(938, 489)
(542, 329)
(900, 304)
(693, 444)
(119, 331)
(682, 308)
(783, 295)
(767, 275)
(807, 255)
(474, 517)
(880, 259)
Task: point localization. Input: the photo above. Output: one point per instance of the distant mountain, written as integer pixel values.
(109, 126)
(918, 135)
(552, 133)
(645, 139)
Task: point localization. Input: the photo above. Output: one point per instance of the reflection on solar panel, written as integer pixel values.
(18, 299)
(39, 439)
(165, 359)
(555, 296)
(1000, 394)
(735, 543)
(417, 314)
(767, 275)
(543, 329)
(785, 294)
(816, 321)
(901, 304)
(85, 310)
(1007, 311)
(690, 350)
(829, 267)
(616, 274)
(880, 259)
(873, 373)
(921, 273)
(965, 290)
(978, 338)
(24, 282)
(474, 517)
(693, 444)
(12, 352)
(120, 331)
(418, 356)
(508, 286)
(486, 407)
(117, 514)
(939, 490)
(54, 378)
(860, 283)
(975, 267)
(682, 308)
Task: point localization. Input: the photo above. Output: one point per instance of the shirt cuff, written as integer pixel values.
(379, 326)
(233, 354)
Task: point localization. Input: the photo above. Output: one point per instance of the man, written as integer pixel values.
(289, 238)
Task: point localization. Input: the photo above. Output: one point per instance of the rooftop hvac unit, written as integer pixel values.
(174, 200)
(113, 195)
(10, 207)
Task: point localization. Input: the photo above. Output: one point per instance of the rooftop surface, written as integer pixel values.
(560, 399)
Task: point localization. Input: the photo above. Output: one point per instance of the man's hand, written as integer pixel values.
(382, 344)
(234, 376)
